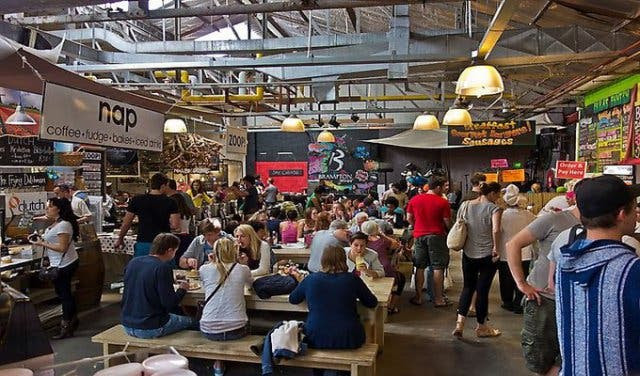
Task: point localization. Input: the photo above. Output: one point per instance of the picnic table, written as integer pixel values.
(294, 252)
(380, 287)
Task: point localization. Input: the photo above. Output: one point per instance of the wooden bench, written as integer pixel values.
(361, 362)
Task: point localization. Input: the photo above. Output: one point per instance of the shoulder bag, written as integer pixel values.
(203, 303)
(457, 236)
(50, 273)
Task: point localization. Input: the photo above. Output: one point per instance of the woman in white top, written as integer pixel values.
(58, 242)
(254, 253)
(183, 233)
(514, 219)
(224, 317)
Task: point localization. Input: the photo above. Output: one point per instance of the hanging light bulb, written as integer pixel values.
(20, 117)
(479, 80)
(175, 125)
(326, 136)
(426, 122)
(292, 124)
(457, 117)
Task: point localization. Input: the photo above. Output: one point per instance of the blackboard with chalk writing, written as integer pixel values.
(25, 151)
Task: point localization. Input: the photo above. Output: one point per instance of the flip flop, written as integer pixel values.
(415, 302)
(445, 304)
(487, 332)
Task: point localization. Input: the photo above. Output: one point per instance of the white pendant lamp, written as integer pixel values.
(175, 125)
(292, 124)
(20, 117)
(426, 122)
(326, 136)
(479, 80)
(457, 117)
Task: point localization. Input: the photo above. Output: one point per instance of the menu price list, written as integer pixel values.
(93, 171)
(25, 151)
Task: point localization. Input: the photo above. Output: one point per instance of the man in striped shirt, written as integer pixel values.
(598, 283)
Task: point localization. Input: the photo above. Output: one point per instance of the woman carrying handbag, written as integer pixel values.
(59, 243)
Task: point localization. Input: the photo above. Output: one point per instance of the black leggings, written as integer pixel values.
(399, 281)
(509, 292)
(478, 275)
(62, 286)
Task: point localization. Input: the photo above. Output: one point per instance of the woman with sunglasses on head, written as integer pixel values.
(59, 244)
(224, 316)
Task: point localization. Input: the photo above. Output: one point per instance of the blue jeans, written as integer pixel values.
(175, 324)
(228, 336)
(141, 249)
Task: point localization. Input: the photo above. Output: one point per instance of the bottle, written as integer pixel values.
(274, 238)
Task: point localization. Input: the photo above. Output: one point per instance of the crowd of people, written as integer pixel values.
(567, 271)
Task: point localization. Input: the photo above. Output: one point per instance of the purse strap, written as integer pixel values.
(220, 284)
(464, 210)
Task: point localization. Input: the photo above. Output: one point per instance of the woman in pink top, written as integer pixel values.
(289, 228)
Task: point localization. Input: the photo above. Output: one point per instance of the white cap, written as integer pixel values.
(510, 195)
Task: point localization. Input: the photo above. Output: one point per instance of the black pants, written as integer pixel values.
(478, 275)
(509, 292)
(399, 281)
(62, 286)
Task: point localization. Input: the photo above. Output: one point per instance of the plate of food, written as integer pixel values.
(6, 260)
(194, 285)
(193, 274)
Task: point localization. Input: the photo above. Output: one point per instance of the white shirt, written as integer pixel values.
(514, 220)
(227, 309)
(79, 207)
(51, 236)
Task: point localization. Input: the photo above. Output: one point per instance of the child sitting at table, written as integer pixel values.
(224, 316)
(362, 260)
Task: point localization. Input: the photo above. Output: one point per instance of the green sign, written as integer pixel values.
(617, 99)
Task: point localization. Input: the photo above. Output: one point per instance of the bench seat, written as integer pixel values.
(193, 344)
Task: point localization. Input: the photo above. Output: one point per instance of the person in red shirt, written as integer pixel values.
(430, 216)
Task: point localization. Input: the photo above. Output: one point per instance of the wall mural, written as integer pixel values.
(341, 169)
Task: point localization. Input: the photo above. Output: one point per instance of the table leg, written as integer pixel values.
(379, 327)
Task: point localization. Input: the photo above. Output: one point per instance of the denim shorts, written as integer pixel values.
(228, 336)
(431, 250)
(540, 336)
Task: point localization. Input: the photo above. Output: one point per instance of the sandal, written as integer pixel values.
(487, 332)
(471, 313)
(445, 304)
(457, 332)
(393, 311)
(414, 301)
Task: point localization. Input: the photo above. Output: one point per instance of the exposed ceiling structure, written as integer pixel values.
(263, 59)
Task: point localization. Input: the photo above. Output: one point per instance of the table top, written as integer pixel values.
(292, 251)
(16, 262)
(380, 287)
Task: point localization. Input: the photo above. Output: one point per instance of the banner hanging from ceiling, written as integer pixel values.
(76, 116)
(493, 133)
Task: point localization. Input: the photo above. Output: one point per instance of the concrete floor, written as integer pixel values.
(418, 341)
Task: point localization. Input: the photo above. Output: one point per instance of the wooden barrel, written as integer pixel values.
(90, 275)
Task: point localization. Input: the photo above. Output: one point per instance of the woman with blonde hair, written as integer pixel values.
(254, 253)
(224, 316)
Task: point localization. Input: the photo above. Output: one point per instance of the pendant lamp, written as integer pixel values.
(326, 136)
(175, 125)
(479, 80)
(20, 117)
(292, 124)
(426, 122)
(457, 117)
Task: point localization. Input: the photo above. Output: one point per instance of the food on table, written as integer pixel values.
(194, 285)
(193, 274)
(6, 259)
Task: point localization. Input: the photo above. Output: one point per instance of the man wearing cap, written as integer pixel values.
(598, 282)
(337, 235)
(539, 334)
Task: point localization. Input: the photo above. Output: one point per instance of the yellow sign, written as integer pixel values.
(512, 176)
(492, 177)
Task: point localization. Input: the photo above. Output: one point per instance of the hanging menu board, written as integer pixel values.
(93, 171)
(27, 151)
(588, 140)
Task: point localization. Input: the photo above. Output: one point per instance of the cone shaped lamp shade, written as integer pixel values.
(292, 124)
(457, 116)
(479, 80)
(326, 136)
(19, 117)
(426, 122)
(175, 126)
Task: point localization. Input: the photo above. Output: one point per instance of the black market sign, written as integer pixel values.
(493, 133)
(617, 99)
(25, 151)
(21, 180)
(292, 172)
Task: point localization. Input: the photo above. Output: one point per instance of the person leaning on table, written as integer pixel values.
(149, 296)
(332, 296)
(202, 245)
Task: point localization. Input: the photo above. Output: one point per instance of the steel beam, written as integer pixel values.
(20, 6)
(399, 41)
(282, 6)
(498, 24)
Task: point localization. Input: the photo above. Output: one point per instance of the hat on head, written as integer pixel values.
(602, 195)
(510, 195)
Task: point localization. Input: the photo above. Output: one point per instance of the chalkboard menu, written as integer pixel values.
(93, 171)
(25, 151)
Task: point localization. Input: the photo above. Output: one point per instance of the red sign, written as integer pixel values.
(570, 169)
(499, 163)
(287, 176)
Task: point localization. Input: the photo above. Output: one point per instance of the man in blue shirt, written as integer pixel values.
(598, 283)
(149, 296)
